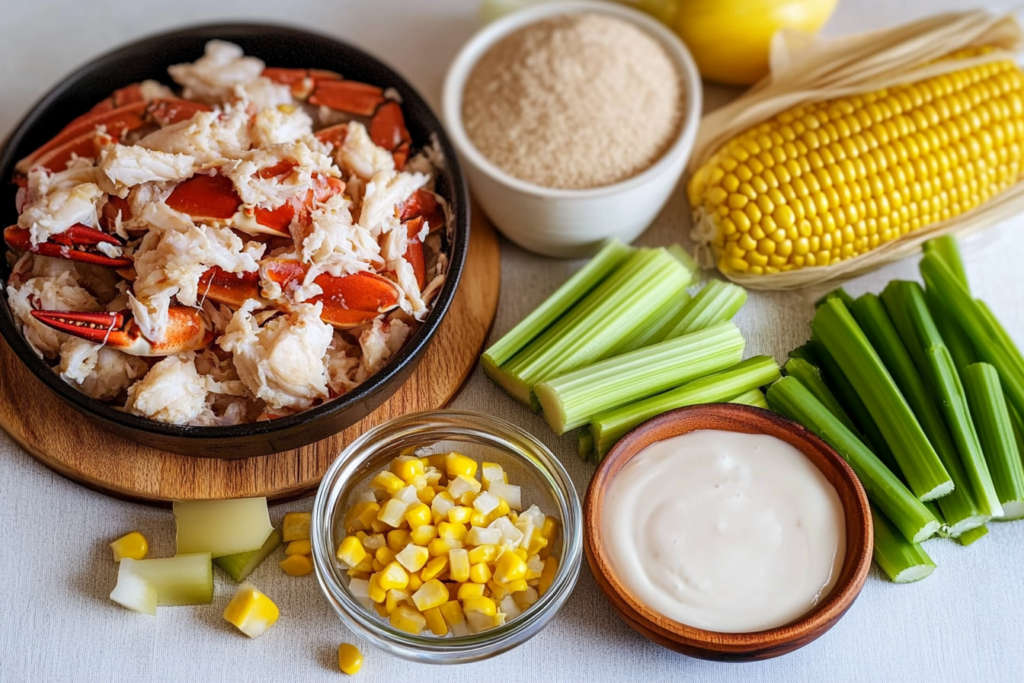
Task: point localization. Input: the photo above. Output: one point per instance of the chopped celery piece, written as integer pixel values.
(179, 580)
(558, 304)
(572, 399)
(585, 444)
(901, 560)
(995, 431)
(716, 302)
(754, 397)
(973, 535)
(791, 398)
(837, 293)
(610, 426)
(839, 333)
(240, 565)
(810, 377)
(990, 340)
(133, 591)
(948, 250)
(958, 508)
(683, 257)
(597, 324)
(961, 350)
(657, 326)
(909, 312)
(222, 527)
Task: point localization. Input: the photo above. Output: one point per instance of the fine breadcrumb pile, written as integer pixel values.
(574, 101)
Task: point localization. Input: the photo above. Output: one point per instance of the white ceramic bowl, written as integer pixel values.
(561, 222)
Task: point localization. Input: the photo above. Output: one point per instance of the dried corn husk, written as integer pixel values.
(807, 69)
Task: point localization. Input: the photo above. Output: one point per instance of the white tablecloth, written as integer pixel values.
(965, 623)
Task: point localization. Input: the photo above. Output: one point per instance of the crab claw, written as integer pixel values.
(187, 331)
(423, 203)
(233, 289)
(348, 301)
(301, 81)
(387, 130)
(77, 243)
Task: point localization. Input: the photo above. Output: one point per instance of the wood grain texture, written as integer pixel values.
(60, 438)
(733, 646)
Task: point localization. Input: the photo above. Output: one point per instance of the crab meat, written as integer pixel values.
(280, 125)
(213, 77)
(172, 391)
(384, 192)
(60, 292)
(331, 240)
(61, 209)
(207, 136)
(282, 362)
(97, 370)
(359, 153)
(125, 166)
(379, 342)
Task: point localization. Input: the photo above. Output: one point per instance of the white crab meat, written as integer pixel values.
(379, 342)
(209, 136)
(332, 241)
(98, 371)
(172, 391)
(270, 193)
(279, 125)
(282, 362)
(395, 244)
(383, 194)
(59, 210)
(125, 166)
(361, 156)
(213, 77)
(169, 264)
(342, 365)
(58, 293)
(264, 93)
(42, 182)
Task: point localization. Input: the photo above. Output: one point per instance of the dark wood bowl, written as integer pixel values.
(277, 46)
(733, 647)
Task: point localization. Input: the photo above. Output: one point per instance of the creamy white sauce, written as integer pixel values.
(724, 531)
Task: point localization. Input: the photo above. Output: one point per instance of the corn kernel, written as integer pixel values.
(489, 472)
(374, 591)
(479, 573)
(393, 576)
(436, 622)
(509, 567)
(378, 526)
(437, 461)
(431, 594)
(521, 552)
(385, 555)
(459, 514)
(415, 581)
(550, 530)
(297, 565)
(350, 659)
(434, 568)
(407, 468)
(526, 597)
(376, 565)
(395, 597)
(424, 534)
(351, 552)
(300, 548)
(413, 557)
(393, 513)
(467, 498)
(516, 586)
(537, 543)
(452, 613)
(358, 574)
(408, 619)
(388, 482)
(486, 554)
(133, 546)
(438, 548)
(426, 494)
(479, 519)
(470, 590)
(460, 485)
(498, 590)
(458, 564)
(397, 539)
(295, 526)
(441, 503)
(548, 575)
(456, 464)
(453, 531)
(380, 609)
(362, 515)
(484, 606)
(251, 611)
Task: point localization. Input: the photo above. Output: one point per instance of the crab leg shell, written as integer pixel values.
(77, 243)
(387, 130)
(423, 203)
(233, 289)
(414, 251)
(351, 97)
(301, 81)
(166, 111)
(187, 331)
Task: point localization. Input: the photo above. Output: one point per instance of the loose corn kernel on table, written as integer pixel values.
(962, 623)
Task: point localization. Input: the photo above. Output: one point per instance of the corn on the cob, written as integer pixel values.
(831, 180)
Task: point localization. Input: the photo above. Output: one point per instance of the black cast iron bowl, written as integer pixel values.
(281, 47)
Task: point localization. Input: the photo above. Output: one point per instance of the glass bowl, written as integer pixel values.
(528, 463)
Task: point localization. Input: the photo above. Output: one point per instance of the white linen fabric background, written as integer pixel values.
(965, 623)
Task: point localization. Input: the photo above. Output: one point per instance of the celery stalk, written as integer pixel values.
(754, 397)
(133, 591)
(656, 327)
(598, 323)
(585, 444)
(973, 535)
(791, 398)
(995, 431)
(570, 400)
(837, 293)
(839, 333)
(608, 427)
(901, 560)
(948, 250)
(958, 508)
(558, 304)
(240, 565)
(990, 340)
(222, 527)
(909, 311)
(179, 580)
(717, 302)
(810, 377)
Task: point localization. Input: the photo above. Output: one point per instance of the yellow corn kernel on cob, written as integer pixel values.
(251, 611)
(350, 659)
(832, 180)
(133, 545)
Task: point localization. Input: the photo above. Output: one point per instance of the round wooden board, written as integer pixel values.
(65, 441)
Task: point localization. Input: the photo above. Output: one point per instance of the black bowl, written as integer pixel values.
(281, 47)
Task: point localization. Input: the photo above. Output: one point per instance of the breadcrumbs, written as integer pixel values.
(574, 101)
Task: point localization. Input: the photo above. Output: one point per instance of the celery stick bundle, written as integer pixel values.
(622, 341)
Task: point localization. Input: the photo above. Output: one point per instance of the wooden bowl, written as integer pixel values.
(735, 647)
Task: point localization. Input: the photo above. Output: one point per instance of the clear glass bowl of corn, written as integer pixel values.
(446, 537)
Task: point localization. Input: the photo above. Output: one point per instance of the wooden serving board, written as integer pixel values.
(65, 441)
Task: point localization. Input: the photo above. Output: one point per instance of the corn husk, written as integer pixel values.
(807, 69)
